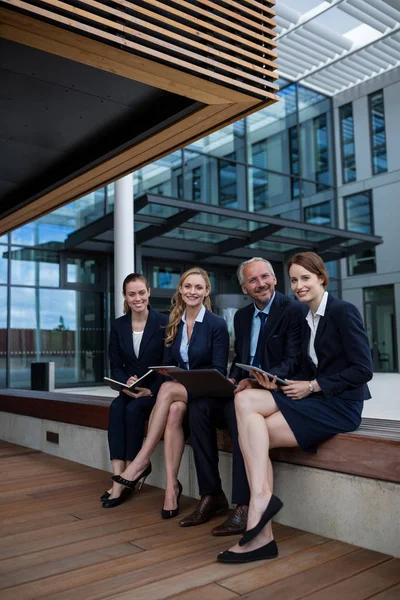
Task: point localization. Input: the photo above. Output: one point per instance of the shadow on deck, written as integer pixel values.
(57, 542)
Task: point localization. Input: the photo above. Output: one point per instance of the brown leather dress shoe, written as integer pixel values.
(235, 524)
(207, 507)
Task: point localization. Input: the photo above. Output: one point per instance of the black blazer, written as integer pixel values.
(344, 356)
(281, 342)
(123, 361)
(208, 347)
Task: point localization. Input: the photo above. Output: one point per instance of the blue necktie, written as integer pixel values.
(257, 357)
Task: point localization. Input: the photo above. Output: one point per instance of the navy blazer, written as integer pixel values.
(343, 352)
(208, 346)
(281, 341)
(123, 361)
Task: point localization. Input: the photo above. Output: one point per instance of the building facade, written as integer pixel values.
(310, 172)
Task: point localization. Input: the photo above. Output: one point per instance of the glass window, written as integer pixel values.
(380, 324)
(359, 218)
(227, 183)
(322, 175)
(196, 184)
(63, 326)
(166, 277)
(3, 263)
(318, 214)
(259, 175)
(347, 143)
(378, 133)
(3, 335)
(34, 267)
(84, 270)
(294, 161)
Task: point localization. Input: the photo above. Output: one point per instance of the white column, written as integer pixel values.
(124, 248)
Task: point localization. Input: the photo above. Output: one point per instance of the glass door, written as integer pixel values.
(381, 327)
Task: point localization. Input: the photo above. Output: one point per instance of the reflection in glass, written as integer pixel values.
(83, 270)
(322, 174)
(3, 264)
(347, 143)
(63, 326)
(3, 334)
(166, 277)
(358, 210)
(294, 154)
(318, 214)
(378, 133)
(227, 179)
(381, 327)
(34, 267)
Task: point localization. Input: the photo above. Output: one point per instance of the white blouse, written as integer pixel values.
(137, 340)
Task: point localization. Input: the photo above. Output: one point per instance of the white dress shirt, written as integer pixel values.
(184, 347)
(313, 321)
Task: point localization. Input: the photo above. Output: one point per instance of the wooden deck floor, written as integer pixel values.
(57, 542)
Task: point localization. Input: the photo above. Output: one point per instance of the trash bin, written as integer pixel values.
(43, 376)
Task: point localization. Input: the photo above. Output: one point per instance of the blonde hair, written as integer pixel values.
(178, 306)
(129, 279)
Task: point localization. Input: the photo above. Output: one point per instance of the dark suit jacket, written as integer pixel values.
(123, 361)
(208, 347)
(281, 342)
(342, 348)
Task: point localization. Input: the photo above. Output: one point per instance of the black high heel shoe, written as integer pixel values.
(132, 484)
(105, 496)
(274, 506)
(113, 502)
(170, 514)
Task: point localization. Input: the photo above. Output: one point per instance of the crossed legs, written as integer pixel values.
(166, 417)
(261, 426)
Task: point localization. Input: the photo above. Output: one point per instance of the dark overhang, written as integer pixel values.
(94, 90)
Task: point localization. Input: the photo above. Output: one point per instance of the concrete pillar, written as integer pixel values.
(124, 248)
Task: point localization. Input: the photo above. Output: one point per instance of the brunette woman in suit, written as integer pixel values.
(195, 339)
(136, 341)
(325, 398)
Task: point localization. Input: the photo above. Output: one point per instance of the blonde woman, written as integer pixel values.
(195, 339)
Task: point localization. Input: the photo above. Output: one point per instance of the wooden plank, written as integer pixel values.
(109, 37)
(350, 453)
(225, 22)
(203, 570)
(169, 46)
(212, 591)
(261, 577)
(312, 581)
(392, 593)
(184, 39)
(19, 576)
(50, 38)
(262, 10)
(363, 585)
(201, 35)
(200, 23)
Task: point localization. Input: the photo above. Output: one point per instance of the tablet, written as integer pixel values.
(205, 383)
(251, 368)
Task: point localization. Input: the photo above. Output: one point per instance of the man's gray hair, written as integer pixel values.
(248, 262)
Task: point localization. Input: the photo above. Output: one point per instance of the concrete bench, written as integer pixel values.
(348, 490)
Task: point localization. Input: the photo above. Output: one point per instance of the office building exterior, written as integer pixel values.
(316, 171)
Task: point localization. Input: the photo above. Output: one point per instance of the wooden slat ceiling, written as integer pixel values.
(218, 54)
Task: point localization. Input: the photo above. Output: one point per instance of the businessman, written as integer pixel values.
(267, 335)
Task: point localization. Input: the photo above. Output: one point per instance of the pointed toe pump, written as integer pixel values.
(170, 514)
(132, 483)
